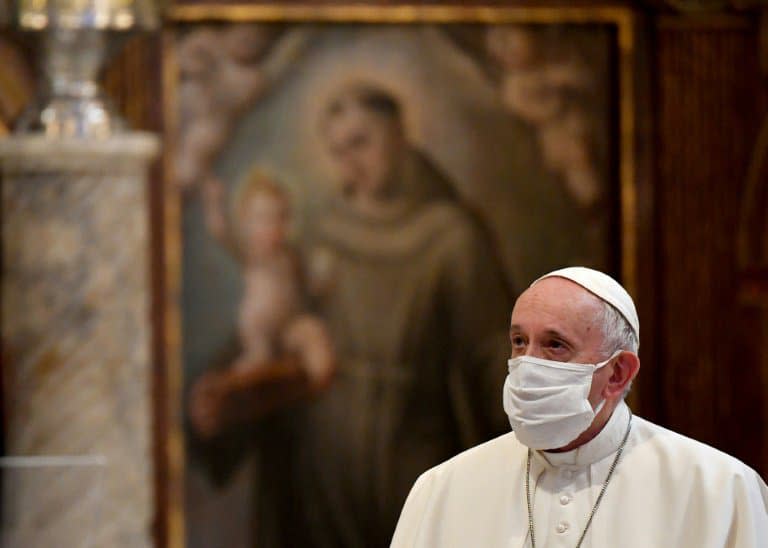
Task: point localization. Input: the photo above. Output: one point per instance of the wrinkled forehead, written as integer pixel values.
(557, 303)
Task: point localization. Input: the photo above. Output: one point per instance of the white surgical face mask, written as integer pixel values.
(547, 401)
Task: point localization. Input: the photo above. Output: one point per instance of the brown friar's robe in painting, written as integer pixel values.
(418, 309)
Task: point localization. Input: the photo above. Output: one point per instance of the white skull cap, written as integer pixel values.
(604, 287)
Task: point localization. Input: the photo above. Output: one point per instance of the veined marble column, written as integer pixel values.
(76, 329)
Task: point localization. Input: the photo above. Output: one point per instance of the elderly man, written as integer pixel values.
(579, 469)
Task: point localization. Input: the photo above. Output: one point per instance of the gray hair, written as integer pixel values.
(617, 334)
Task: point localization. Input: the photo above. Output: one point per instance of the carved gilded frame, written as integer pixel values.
(170, 518)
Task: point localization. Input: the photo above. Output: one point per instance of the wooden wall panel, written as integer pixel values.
(132, 81)
(710, 102)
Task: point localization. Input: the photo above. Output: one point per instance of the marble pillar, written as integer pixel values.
(76, 331)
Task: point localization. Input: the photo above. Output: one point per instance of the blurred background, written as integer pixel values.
(107, 272)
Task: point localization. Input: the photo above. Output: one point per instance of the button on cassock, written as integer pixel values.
(565, 499)
(562, 527)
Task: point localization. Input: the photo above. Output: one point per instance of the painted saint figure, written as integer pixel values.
(414, 300)
(408, 284)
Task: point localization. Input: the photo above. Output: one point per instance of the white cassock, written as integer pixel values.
(667, 491)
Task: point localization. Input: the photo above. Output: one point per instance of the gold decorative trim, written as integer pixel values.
(174, 438)
(622, 18)
(394, 14)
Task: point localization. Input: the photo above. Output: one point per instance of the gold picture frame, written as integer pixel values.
(622, 21)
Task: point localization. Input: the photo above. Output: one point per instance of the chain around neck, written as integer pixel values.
(599, 497)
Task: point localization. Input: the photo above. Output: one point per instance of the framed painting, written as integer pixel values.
(354, 196)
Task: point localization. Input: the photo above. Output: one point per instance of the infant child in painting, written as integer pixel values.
(272, 320)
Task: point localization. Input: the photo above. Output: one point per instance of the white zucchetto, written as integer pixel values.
(604, 287)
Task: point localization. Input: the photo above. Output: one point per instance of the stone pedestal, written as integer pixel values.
(76, 327)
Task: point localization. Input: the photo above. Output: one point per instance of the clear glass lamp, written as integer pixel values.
(76, 38)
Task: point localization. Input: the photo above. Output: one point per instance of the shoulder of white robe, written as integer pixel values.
(414, 511)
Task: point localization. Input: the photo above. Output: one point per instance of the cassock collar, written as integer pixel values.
(604, 444)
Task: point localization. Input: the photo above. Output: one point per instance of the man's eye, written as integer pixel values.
(517, 341)
(556, 345)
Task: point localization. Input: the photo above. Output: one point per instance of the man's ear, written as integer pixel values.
(625, 368)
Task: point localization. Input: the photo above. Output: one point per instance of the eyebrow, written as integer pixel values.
(549, 332)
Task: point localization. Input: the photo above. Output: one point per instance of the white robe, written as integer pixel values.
(667, 491)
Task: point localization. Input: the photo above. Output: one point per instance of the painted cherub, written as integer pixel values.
(272, 319)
